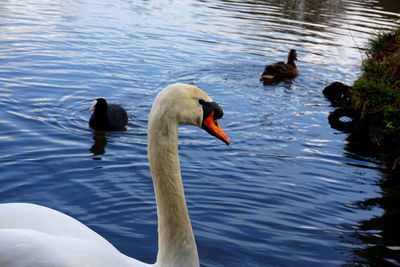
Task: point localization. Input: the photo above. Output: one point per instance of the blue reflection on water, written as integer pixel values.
(282, 194)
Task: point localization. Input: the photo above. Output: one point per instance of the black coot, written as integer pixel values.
(107, 117)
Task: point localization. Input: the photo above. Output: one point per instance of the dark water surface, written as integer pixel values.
(287, 192)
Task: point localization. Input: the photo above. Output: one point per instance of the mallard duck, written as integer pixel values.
(107, 117)
(280, 71)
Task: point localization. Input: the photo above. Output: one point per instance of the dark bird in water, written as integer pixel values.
(107, 117)
(280, 71)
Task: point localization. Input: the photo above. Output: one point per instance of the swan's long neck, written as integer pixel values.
(176, 244)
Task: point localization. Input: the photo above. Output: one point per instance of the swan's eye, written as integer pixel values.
(201, 101)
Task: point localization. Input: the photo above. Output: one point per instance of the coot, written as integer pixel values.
(107, 117)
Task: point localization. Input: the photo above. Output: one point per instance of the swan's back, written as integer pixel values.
(35, 217)
(33, 235)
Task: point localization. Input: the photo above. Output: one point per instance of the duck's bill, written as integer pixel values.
(212, 127)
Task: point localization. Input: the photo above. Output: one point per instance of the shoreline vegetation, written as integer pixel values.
(369, 110)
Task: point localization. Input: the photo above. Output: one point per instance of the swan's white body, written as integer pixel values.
(36, 236)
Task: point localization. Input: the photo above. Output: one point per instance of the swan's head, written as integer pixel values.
(187, 104)
(99, 104)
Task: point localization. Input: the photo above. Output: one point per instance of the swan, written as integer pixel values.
(107, 117)
(280, 70)
(37, 236)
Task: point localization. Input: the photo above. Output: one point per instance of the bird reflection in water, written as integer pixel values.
(100, 142)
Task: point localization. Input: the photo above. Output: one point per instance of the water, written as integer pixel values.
(289, 191)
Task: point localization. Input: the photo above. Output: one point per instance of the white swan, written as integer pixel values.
(32, 235)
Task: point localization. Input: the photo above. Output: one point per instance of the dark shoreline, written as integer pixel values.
(369, 110)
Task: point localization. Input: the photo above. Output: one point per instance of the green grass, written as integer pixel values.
(378, 89)
(379, 40)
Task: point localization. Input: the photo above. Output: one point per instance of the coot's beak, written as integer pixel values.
(212, 127)
(93, 106)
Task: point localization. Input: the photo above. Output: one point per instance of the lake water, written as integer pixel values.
(288, 191)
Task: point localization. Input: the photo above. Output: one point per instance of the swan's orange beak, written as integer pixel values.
(213, 128)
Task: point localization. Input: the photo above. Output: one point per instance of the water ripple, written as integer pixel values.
(286, 183)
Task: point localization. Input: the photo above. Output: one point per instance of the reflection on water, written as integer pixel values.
(389, 5)
(289, 191)
(100, 142)
(376, 240)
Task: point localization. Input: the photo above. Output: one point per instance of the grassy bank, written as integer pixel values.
(373, 102)
(377, 91)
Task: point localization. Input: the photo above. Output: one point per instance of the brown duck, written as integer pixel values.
(280, 71)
